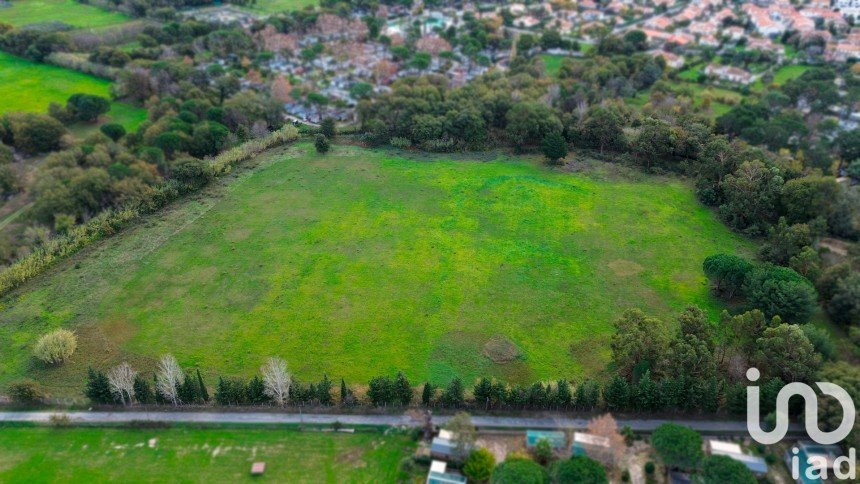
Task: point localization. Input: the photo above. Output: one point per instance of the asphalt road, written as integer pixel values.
(715, 427)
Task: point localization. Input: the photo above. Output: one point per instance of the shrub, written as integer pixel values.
(579, 470)
(678, 446)
(401, 143)
(113, 131)
(26, 392)
(650, 468)
(720, 468)
(519, 470)
(328, 128)
(35, 133)
(321, 144)
(479, 465)
(87, 107)
(56, 347)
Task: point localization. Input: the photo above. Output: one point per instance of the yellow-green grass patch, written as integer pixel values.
(76, 14)
(359, 263)
(39, 454)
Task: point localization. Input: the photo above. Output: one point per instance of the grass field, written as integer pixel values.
(361, 262)
(24, 12)
(275, 6)
(553, 63)
(197, 455)
(31, 86)
(782, 75)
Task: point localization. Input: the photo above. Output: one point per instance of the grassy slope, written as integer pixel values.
(196, 455)
(24, 12)
(275, 6)
(30, 86)
(360, 263)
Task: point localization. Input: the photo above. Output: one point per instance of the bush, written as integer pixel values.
(678, 446)
(479, 465)
(56, 347)
(518, 470)
(87, 107)
(720, 468)
(579, 470)
(113, 131)
(401, 143)
(26, 392)
(328, 128)
(650, 468)
(321, 144)
(35, 133)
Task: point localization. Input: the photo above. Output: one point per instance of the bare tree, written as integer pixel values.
(121, 380)
(170, 377)
(277, 380)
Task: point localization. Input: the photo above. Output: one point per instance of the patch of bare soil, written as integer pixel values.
(501, 350)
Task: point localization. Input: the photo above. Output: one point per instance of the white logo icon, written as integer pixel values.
(810, 411)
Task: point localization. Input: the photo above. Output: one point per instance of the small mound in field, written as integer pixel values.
(500, 350)
(623, 267)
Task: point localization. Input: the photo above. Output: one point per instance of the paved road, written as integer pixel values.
(488, 422)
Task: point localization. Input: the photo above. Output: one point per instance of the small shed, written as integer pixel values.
(438, 474)
(589, 444)
(555, 438)
(258, 468)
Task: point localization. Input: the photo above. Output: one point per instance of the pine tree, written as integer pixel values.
(537, 396)
(483, 392)
(554, 147)
(616, 395)
(189, 391)
(98, 388)
(647, 394)
(159, 398)
(563, 397)
(379, 391)
(204, 394)
(427, 394)
(402, 390)
(257, 391)
(345, 394)
(454, 395)
(142, 392)
(324, 391)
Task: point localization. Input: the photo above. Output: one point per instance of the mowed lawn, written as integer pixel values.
(25, 12)
(31, 86)
(360, 263)
(275, 6)
(39, 454)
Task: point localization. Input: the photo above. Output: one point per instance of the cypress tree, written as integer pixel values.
(483, 392)
(616, 395)
(159, 399)
(379, 391)
(563, 397)
(454, 395)
(98, 388)
(402, 390)
(142, 392)
(345, 396)
(647, 394)
(256, 391)
(427, 394)
(188, 391)
(204, 394)
(324, 391)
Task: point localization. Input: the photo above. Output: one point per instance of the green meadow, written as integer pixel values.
(183, 454)
(275, 6)
(364, 262)
(76, 14)
(32, 86)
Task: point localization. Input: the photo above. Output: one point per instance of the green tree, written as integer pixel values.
(453, 395)
(479, 465)
(785, 352)
(780, 291)
(721, 468)
(113, 131)
(844, 306)
(543, 452)
(142, 391)
(726, 272)
(209, 139)
(638, 339)
(328, 127)
(554, 147)
(402, 390)
(785, 241)
(808, 197)
(34, 133)
(427, 394)
(321, 144)
(603, 128)
(25, 392)
(679, 447)
(647, 394)
(380, 391)
(579, 469)
(87, 107)
(751, 196)
(201, 387)
(518, 470)
(654, 143)
(98, 388)
(616, 395)
(530, 122)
